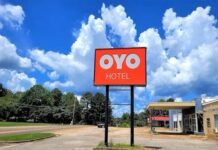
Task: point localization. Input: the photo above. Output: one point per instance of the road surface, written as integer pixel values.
(87, 137)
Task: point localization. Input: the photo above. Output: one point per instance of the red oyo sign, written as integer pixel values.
(120, 66)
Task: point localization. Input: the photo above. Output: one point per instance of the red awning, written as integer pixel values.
(160, 118)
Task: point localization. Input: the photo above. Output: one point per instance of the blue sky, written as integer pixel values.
(52, 43)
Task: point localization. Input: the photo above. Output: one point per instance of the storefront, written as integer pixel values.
(187, 121)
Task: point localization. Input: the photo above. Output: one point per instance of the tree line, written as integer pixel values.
(41, 105)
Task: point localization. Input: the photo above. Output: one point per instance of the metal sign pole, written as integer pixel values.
(151, 118)
(132, 115)
(106, 116)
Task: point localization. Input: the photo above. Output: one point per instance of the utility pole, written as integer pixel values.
(74, 107)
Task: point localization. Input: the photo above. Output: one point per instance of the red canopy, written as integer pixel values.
(160, 118)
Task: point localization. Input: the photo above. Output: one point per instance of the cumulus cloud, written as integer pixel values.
(16, 81)
(57, 61)
(9, 57)
(12, 15)
(121, 25)
(62, 85)
(191, 43)
(186, 33)
(155, 51)
(77, 66)
(10, 60)
(53, 75)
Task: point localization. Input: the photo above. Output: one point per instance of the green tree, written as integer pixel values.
(161, 100)
(3, 91)
(170, 100)
(71, 104)
(85, 100)
(93, 108)
(125, 116)
(8, 105)
(56, 95)
(37, 95)
(85, 103)
(97, 108)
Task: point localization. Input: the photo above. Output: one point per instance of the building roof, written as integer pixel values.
(171, 105)
(209, 100)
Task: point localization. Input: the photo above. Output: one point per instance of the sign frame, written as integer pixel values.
(117, 49)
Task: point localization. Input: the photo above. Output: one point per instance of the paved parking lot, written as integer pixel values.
(87, 137)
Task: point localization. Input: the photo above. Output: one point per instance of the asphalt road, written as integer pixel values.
(87, 137)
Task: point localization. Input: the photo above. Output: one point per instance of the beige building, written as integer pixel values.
(210, 111)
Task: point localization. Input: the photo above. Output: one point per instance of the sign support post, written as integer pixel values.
(106, 116)
(132, 115)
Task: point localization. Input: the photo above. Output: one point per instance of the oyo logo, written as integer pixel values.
(132, 61)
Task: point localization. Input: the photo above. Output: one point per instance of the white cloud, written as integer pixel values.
(91, 35)
(78, 97)
(178, 99)
(57, 61)
(58, 84)
(193, 41)
(53, 75)
(12, 15)
(186, 33)
(119, 110)
(16, 81)
(77, 66)
(155, 51)
(39, 67)
(9, 57)
(120, 24)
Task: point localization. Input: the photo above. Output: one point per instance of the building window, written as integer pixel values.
(216, 120)
(175, 124)
(208, 122)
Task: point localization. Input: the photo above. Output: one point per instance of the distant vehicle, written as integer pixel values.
(100, 125)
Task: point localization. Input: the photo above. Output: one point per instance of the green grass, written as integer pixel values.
(18, 137)
(7, 124)
(120, 145)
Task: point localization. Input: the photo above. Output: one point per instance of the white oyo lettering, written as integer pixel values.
(132, 61)
(135, 63)
(106, 61)
(119, 60)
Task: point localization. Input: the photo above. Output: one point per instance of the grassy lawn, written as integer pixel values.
(7, 124)
(120, 145)
(18, 137)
